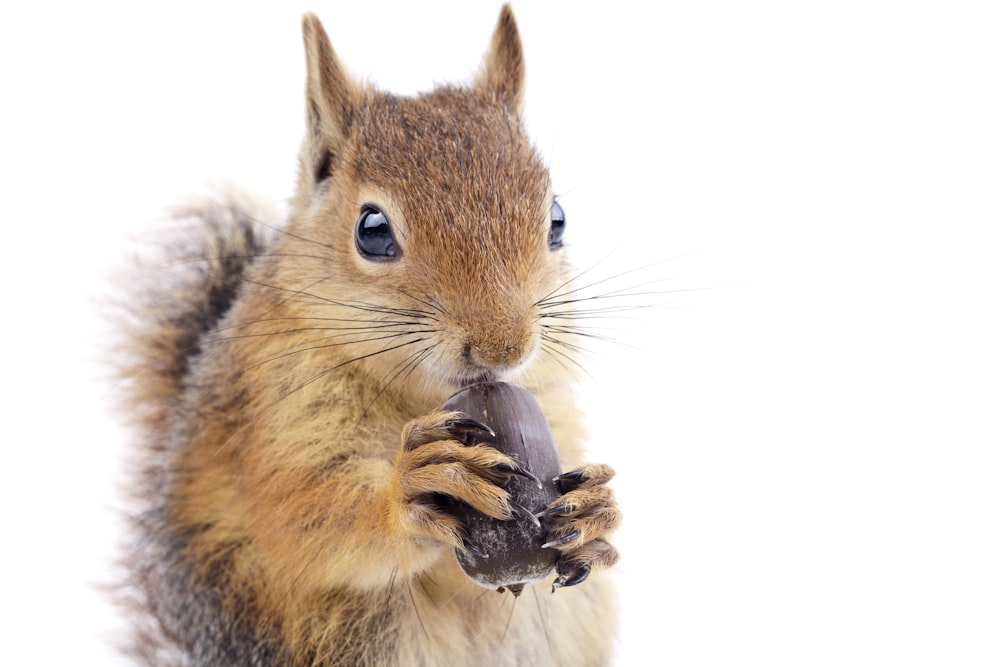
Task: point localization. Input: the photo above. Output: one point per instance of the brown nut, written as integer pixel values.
(508, 554)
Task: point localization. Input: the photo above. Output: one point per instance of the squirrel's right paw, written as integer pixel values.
(440, 458)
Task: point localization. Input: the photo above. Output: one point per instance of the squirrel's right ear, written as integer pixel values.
(503, 69)
(330, 99)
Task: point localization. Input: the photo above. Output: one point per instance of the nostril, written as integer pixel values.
(496, 345)
(492, 354)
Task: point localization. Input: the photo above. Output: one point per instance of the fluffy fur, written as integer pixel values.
(287, 390)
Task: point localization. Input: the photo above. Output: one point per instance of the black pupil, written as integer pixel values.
(558, 226)
(374, 234)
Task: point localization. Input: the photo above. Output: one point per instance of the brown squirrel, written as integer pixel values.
(287, 390)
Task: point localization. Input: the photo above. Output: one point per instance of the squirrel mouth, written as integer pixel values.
(466, 380)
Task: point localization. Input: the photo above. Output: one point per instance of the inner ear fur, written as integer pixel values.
(503, 67)
(331, 97)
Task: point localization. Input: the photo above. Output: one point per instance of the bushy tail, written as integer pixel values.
(174, 292)
(180, 289)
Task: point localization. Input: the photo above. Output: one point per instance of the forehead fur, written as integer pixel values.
(450, 149)
(463, 172)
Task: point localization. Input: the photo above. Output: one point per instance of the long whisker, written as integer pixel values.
(416, 609)
(260, 223)
(617, 293)
(622, 294)
(357, 320)
(429, 301)
(544, 622)
(597, 313)
(578, 331)
(348, 331)
(220, 258)
(405, 368)
(314, 378)
(279, 288)
(510, 617)
(571, 280)
(302, 571)
(388, 592)
(548, 345)
(557, 294)
(358, 305)
(339, 344)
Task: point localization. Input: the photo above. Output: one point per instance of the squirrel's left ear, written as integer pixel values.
(331, 98)
(503, 69)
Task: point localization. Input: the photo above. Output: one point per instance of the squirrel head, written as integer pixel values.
(436, 211)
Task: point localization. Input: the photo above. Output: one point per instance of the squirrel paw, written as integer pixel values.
(440, 457)
(583, 517)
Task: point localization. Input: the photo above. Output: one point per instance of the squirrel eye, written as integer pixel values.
(557, 228)
(373, 235)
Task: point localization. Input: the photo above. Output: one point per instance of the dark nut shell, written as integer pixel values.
(509, 554)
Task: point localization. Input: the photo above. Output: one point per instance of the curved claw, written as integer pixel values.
(465, 429)
(517, 470)
(570, 481)
(570, 574)
(589, 475)
(562, 509)
(473, 549)
(565, 539)
(525, 512)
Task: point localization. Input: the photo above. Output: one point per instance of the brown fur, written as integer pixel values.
(288, 390)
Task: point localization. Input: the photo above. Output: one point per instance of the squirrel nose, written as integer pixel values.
(490, 356)
(498, 348)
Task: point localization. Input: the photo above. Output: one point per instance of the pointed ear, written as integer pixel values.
(503, 69)
(331, 97)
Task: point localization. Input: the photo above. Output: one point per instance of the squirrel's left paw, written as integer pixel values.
(581, 519)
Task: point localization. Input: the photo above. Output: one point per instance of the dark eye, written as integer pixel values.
(373, 235)
(557, 228)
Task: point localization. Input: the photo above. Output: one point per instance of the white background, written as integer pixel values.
(807, 449)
